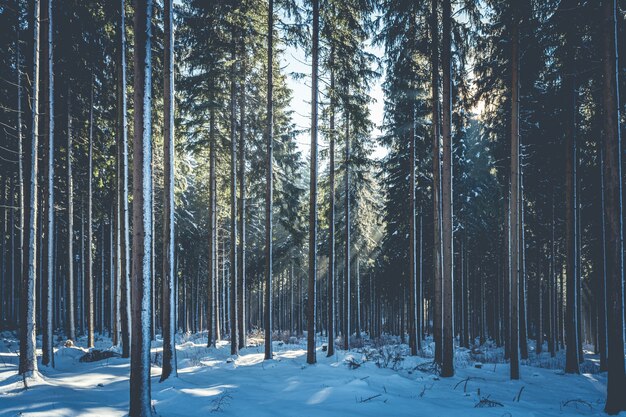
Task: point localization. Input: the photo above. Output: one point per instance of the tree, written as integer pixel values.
(615, 400)
(331, 212)
(514, 205)
(71, 328)
(141, 287)
(28, 352)
(234, 348)
(169, 296)
(437, 252)
(47, 345)
(311, 357)
(269, 184)
(89, 275)
(447, 367)
(122, 187)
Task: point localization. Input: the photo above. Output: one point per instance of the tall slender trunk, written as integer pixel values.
(269, 184)
(122, 133)
(89, 283)
(347, 236)
(233, 200)
(241, 264)
(71, 328)
(523, 313)
(311, 357)
(28, 351)
(412, 245)
(168, 312)
(47, 345)
(447, 279)
(572, 358)
(616, 400)
(437, 256)
(601, 288)
(20, 174)
(514, 205)
(214, 292)
(331, 211)
(141, 288)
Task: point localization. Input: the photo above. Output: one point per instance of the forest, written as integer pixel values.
(299, 207)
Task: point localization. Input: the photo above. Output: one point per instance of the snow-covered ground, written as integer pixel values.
(368, 381)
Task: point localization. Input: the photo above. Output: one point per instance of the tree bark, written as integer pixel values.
(122, 133)
(89, 282)
(168, 312)
(28, 351)
(141, 287)
(514, 204)
(331, 211)
(311, 356)
(241, 264)
(437, 313)
(269, 184)
(47, 339)
(616, 400)
(447, 279)
(233, 201)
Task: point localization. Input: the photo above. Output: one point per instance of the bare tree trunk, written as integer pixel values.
(311, 356)
(122, 133)
(89, 284)
(241, 265)
(47, 345)
(523, 344)
(616, 400)
(447, 279)
(572, 358)
(141, 287)
(233, 202)
(347, 235)
(269, 184)
(168, 312)
(28, 351)
(20, 175)
(602, 296)
(71, 326)
(437, 313)
(514, 205)
(412, 245)
(331, 212)
(214, 293)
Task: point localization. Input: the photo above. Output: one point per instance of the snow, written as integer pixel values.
(367, 381)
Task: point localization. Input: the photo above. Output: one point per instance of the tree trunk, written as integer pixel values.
(47, 340)
(241, 273)
(233, 202)
(447, 279)
(71, 327)
(311, 357)
(616, 400)
(571, 245)
(28, 350)
(168, 312)
(347, 235)
(437, 313)
(89, 284)
(269, 184)
(514, 204)
(141, 287)
(214, 292)
(20, 174)
(331, 211)
(122, 133)
(412, 245)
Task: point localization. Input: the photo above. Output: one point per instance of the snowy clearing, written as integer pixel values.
(365, 382)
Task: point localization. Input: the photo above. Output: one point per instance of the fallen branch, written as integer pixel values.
(369, 398)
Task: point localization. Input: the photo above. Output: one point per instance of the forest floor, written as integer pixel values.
(367, 381)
